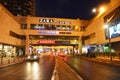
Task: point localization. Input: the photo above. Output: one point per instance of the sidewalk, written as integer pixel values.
(105, 60)
(64, 72)
(10, 61)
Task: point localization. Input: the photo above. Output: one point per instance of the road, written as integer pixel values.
(89, 70)
(36, 70)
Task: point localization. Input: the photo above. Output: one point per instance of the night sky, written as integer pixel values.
(67, 8)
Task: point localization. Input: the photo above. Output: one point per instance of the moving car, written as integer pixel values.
(33, 57)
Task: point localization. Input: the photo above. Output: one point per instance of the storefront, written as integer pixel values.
(10, 51)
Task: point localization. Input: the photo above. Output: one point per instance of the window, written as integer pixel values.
(23, 26)
(13, 34)
(82, 28)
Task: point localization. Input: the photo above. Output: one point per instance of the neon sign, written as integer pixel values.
(52, 21)
(47, 20)
(46, 42)
(48, 32)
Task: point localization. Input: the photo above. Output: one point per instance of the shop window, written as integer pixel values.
(68, 28)
(82, 28)
(23, 37)
(63, 28)
(32, 26)
(47, 27)
(53, 27)
(14, 34)
(23, 26)
(58, 27)
(72, 28)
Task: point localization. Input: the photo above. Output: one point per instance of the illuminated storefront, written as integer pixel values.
(52, 33)
(7, 50)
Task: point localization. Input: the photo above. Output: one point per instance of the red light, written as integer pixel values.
(46, 42)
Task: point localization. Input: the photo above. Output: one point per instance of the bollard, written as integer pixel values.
(17, 59)
(14, 60)
(8, 61)
(1, 60)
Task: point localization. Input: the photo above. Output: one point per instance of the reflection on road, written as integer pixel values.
(93, 70)
(33, 70)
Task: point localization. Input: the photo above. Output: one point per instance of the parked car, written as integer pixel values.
(33, 57)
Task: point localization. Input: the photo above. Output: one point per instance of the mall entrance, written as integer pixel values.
(52, 49)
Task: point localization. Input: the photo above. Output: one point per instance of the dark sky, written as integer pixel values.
(67, 8)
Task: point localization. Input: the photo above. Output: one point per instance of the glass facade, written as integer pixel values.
(7, 51)
(52, 27)
(10, 51)
(40, 37)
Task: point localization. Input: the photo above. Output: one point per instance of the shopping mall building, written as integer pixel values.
(22, 35)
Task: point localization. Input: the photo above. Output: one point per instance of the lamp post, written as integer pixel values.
(109, 39)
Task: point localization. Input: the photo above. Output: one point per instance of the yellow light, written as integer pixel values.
(106, 26)
(94, 10)
(102, 9)
(75, 41)
(76, 27)
(57, 32)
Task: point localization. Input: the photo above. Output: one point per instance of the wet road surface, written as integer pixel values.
(89, 70)
(35, 70)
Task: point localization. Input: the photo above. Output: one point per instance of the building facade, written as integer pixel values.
(41, 34)
(22, 35)
(99, 39)
(20, 7)
(45, 34)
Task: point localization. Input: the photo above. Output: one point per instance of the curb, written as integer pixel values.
(105, 61)
(56, 76)
(5, 65)
(55, 72)
(74, 72)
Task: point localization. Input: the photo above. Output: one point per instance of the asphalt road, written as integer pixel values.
(36, 70)
(89, 70)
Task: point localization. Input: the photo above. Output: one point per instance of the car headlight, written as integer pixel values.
(35, 57)
(28, 57)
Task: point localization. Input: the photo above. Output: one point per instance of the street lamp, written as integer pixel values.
(98, 11)
(94, 10)
(102, 10)
(109, 39)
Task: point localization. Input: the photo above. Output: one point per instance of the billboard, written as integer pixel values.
(113, 20)
(115, 31)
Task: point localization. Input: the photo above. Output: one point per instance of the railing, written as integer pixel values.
(4, 61)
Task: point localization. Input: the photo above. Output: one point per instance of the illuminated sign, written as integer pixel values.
(47, 20)
(114, 31)
(62, 22)
(46, 42)
(48, 32)
(52, 21)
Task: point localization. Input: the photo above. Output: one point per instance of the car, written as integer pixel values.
(61, 54)
(33, 57)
